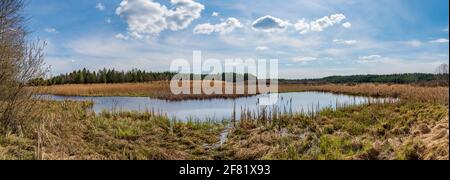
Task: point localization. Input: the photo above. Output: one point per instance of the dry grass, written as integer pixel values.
(160, 90)
(371, 132)
(414, 128)
(404, 92)
(67, 131)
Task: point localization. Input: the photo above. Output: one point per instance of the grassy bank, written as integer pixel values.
(377, 131)
(159, 89)
(406, 93)
(68, 131)
(414, 128)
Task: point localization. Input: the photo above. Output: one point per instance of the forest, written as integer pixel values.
(112, 76)
(408, 78)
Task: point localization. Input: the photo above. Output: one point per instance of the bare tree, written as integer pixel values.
(442, 74)
(442, 69)
(20, 62)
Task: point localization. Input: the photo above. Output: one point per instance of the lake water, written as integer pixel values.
(219, 109)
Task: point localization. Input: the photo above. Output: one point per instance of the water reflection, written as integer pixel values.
(218, 109)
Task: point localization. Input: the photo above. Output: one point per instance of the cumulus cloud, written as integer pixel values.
(262, 48)
(146, 17)
(303, 26)
(223, 28)
(270, 24)
(304, 59)
(347, 25)
(345, 42)
(121, 36)
(327, 21)
(442, 40)
(215, 14)
(100, 7)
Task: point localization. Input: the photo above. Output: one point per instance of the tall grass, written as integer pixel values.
(414, 126)
(403, 92)
(160, 90)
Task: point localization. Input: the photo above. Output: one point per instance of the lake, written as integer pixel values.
(219, 109)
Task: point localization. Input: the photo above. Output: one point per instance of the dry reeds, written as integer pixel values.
(403, 92)
(160, 90)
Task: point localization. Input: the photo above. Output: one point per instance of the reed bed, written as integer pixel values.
(410, 125)
(159, 90)
(67, 131)
(403, 92)
(413, 127)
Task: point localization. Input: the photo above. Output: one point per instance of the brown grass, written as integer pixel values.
(66, 131)
(403, 92)
(414, 128)
(160, 90)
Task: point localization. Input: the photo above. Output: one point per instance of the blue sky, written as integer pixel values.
(311, 38)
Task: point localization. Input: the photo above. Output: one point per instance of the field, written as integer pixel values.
(416, 127)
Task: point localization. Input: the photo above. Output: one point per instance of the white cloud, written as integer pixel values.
(146, 17)
(345, 42)
(347, 25)
(215, 14)
(108, 20)
(50, 30)
(270, 24)
(445, 30)
(327, 21)
(100, 7)
(262, 48)
(121, 36)
(303, 59)
(442, 40)
(414, 43)
(370, 59)
(223, 28)
(303, 26)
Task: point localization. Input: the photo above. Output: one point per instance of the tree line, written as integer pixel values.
(112, 76)
(408, 78)
(85, 76)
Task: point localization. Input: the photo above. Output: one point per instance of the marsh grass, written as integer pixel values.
(68, 131)
(415, 127)
(407, 93)
(159, 90)
(375, 131)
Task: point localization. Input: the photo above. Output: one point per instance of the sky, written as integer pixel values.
(310, 38)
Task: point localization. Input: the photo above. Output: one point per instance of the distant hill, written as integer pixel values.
(391, 78)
